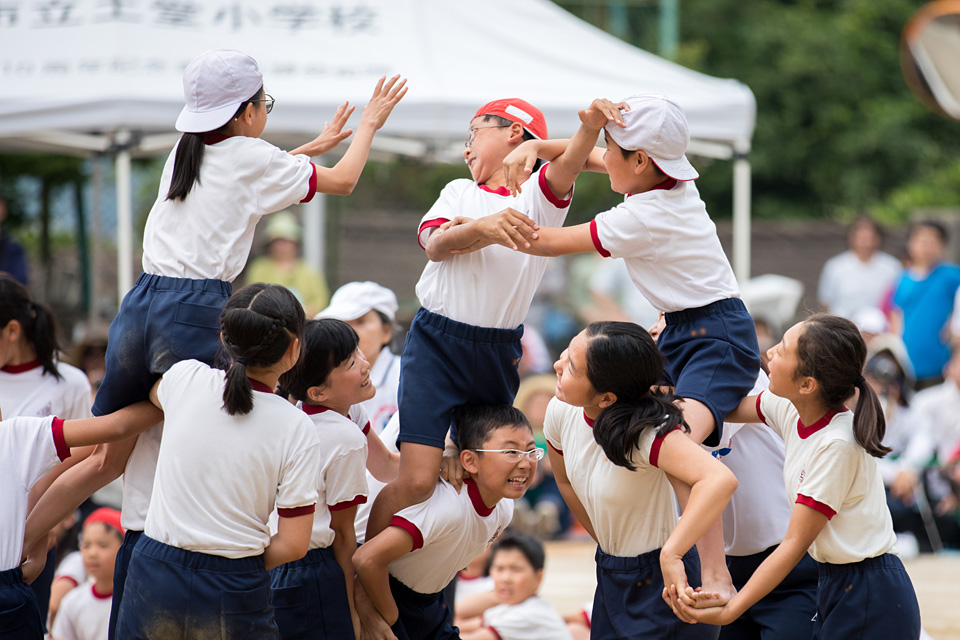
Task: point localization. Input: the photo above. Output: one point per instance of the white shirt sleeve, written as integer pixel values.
(624, 234)
(442, 210)
(829, 477)
(346, 477)
(777, 413)
(551, 425)
(65, 624)
(298, 478)
(285, 182)
(32, 440)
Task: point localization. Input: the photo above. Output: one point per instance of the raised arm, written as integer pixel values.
(563, 171)
(342, 177)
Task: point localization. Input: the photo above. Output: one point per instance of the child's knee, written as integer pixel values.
(417, 487)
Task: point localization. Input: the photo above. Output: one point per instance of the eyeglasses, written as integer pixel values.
(472, 133)
(515, 455)
(268, 100)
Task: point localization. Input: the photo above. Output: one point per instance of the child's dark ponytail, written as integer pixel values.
(831, 350)
(189, 157)
(622, 359)
(37, 322)
(258, 324)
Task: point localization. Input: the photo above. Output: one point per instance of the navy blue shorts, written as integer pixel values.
(423, 616)
(120, 568)
(712, 356)
(786, 613)
(629, 600)
(447, 364)
(20, 617)
(175, 593)
(310, 598)
(873, 598)
(161, 321)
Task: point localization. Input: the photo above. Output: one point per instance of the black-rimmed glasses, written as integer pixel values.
(268, 102)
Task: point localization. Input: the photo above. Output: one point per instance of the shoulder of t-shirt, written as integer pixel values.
(339, 430)
(73, 376)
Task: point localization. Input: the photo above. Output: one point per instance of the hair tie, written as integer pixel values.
(241, 360)
(860, 380)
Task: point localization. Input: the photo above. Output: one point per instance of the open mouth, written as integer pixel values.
(518, 481)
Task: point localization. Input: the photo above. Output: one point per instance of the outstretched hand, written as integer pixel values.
(333, 132)
(518, 165)
(385, 97)
(601, 112)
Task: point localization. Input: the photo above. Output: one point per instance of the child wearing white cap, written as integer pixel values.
(215, 186)
(371, 309)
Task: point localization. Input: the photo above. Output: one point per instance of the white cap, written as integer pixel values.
(657, 126)
(356, 299)
(215, 84)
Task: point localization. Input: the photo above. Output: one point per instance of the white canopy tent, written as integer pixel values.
(90, 77)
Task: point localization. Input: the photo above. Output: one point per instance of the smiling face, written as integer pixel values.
(348, 384)
(373, 333)
(98, 548)
(783, 362)
(490, 145)
(573, 385)
(514, 578)
(497, 477)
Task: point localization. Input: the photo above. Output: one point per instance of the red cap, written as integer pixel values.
(519, 111)
(106, 515)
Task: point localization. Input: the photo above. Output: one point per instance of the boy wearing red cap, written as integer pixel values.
(464, 343)
(85, 611)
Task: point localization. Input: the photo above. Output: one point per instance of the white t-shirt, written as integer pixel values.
(220, 476)
(385, 375)
(29, 449)
(84, 615)
(847, 284)
(532, 619)
(757, 515)
(209, 234)
(138, 478)
(389, 438)
(467, 587)
(71, 568)
(343, 468)
(27, 391)
(493, 287)
(632, 512)
(827, 470)
(936, 425)
(670, 247)
(449, 530)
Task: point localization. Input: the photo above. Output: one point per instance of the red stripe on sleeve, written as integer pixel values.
(655, 447)
(312, 186)
(816, 506)
(494, 632)
(595, 236)
(296, 511)
(366, 428)
(759, 411)
(68, 578)
(552, 198)
(427, 225)
(554, 448)
(340, 506)
(63, 451)
(410, 528)
(586, 617)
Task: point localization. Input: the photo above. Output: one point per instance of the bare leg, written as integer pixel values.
(416, 481)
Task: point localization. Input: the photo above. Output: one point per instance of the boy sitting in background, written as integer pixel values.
(405, 568)
(520, 614)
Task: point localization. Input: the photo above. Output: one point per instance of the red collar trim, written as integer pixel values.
(313, 409)
(259, 386)
(806, 432)
(214, 138)
(460, 576)
(666, 185)
(98, 595)
(587, 419)
(21, 368)
(500, 191)
(474, 492)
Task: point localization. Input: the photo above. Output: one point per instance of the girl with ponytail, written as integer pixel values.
(232, 451)
(616, 445)
(840, 512)
(33, 381)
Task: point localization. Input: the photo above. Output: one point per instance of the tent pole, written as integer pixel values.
(124, 215)
(741, 213)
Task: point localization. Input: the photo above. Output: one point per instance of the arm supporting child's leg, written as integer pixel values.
(344, 546)
(419, 472)
(714, 574)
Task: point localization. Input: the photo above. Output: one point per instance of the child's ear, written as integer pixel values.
(643, 161)
(316, 394)
(808, 385)
(516, 133)
(470, 461)
(606, 399)
(11, 332)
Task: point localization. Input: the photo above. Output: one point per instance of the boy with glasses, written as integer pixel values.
(405, 568)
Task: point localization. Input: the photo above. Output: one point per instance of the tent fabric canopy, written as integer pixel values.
(97, 67)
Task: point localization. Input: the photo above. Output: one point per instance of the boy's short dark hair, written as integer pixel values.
(530, 547)
(326, 344)
(475, 423)
(936, 226)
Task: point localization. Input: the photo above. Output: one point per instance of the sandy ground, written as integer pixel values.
(569, 581)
